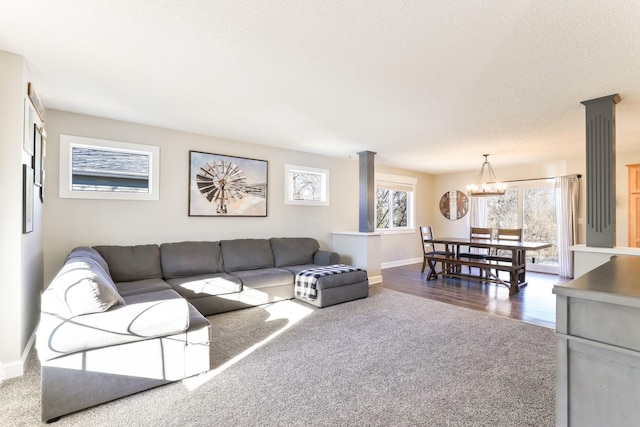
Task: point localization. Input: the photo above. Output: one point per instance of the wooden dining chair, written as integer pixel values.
(429, 248)
(513, 234)
(479, 233)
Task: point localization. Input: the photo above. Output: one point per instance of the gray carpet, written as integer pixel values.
(388, 360)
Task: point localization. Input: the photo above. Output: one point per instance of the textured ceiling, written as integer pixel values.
(428, 85)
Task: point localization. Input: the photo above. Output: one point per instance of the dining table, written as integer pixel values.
(452, 260)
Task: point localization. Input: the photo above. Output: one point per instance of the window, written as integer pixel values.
(306, 186)
(99, 169)
(530, 206)
(394, 202)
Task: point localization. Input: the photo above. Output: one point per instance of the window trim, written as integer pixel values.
(69, 141)
(399, 183)
(288, 185)
(520, 187)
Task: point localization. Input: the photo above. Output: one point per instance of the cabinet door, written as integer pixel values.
(634, 206)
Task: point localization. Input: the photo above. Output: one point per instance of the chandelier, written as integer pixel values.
(490, 187)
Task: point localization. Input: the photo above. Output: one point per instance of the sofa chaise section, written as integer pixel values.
(95, 345)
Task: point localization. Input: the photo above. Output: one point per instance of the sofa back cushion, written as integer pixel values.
(185, 259)
(293, 250)
(82, 286)
(130, 263)
(86, 252)
(246, 254)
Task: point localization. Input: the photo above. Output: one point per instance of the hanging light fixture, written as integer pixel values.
(489, 187)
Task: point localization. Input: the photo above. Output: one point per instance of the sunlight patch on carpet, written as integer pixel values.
(288, 310)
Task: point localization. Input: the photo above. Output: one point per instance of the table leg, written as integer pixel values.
(522, 260)
(514, 284)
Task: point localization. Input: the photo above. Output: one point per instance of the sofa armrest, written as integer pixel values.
(58, 335)
(322, 257)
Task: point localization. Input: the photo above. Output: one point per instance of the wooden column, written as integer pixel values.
(601, 170)
(367, 192)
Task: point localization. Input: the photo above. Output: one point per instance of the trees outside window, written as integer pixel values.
(394, 202)
(306, 186)
(392, 209)
(531, 206)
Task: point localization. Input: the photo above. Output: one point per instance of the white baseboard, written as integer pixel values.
(375, 279)
(400, 263)
(16, 368)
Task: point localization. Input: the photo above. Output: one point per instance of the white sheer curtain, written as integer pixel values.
(478, 216)
(567, 205)
(478, 212)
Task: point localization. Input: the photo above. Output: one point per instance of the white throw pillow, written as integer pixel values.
(80, 287)
(85, 252)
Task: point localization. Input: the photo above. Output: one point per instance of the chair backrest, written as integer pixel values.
(426, 233)
(514, 234)
(480, 233)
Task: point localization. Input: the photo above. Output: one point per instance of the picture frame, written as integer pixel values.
(42, 189)
(28, 137)
(36, 160)
(27, 199)
(227, 186)
(36, 101)
(43, 155)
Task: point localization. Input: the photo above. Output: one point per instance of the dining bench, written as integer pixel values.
(451, 267)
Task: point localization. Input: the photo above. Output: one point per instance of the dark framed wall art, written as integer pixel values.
(27, 199)
(29, 138)
(37, 157)
(221, 185)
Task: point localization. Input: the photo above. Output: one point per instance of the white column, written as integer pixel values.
(360, 250)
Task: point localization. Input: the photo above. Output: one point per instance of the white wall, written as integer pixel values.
(20, 254)
(576, 165)
(401, 248)
(74, 222)
(458, 181)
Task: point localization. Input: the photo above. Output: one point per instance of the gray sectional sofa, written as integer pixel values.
(117, 320)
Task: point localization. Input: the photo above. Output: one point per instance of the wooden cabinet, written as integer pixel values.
(634, 206)
(598, 359)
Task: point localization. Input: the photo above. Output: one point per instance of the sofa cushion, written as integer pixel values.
(264, 278)
(293, 250)
(246, 254)
(87, 252)
(184, 259)
(205, 285)
(141, 287)
(130, 263)
(161, 295)
(153, 316)
(80, 287)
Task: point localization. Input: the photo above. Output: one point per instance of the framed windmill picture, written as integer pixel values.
(222, 185)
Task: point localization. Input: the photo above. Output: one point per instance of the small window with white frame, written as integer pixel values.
(306, 186)
(101, 169)
(394, 202)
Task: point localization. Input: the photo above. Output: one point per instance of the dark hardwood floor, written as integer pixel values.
(535, 303)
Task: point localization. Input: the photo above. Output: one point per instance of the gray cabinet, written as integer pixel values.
(598, 337)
